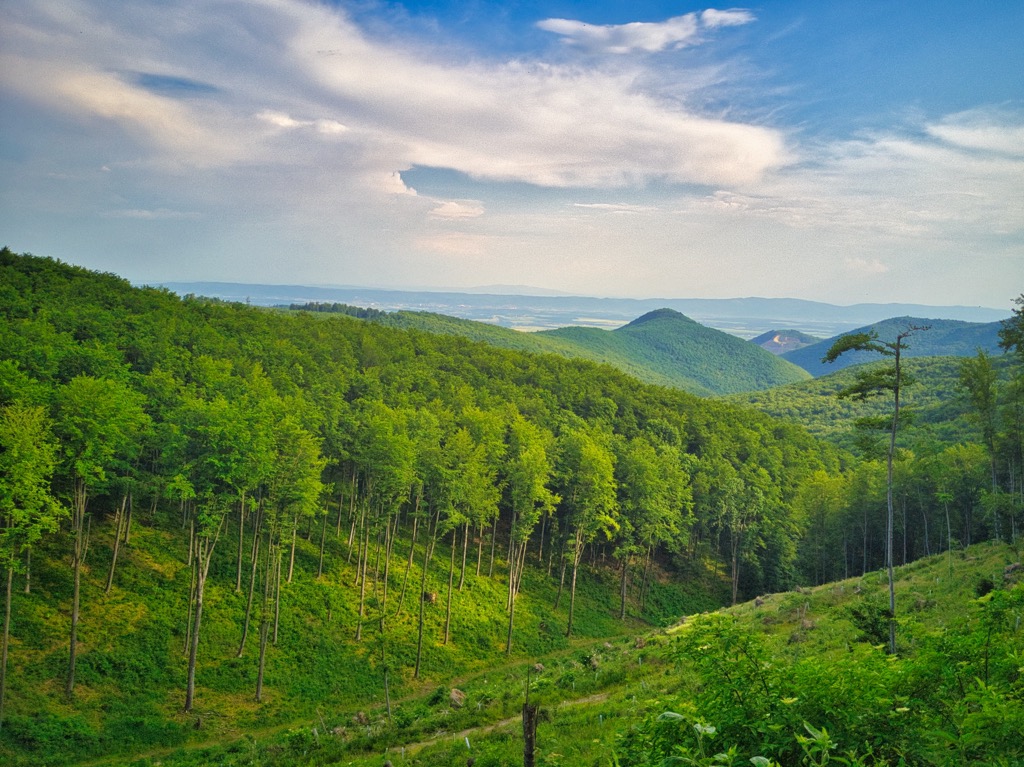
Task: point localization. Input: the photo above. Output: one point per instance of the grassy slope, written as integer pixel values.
(131, 666)
(663, 347)
(943, 338)
(595, 691)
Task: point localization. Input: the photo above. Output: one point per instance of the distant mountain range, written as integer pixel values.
(743, 317)
(944, 338)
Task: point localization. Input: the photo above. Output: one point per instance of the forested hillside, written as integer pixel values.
(682, 351)
(217, 518)
(940, 405)
(662, 347)
(943, 338)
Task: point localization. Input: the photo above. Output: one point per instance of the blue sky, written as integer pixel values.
(834, 151)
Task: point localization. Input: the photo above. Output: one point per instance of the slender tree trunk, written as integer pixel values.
(204, 555)
(428, 550)
(512, 567)
(323, 540)
(412, 552)
(291, 557)
(191, 592)
(577, 556)
(28, 569)
(277, 593)
(451, 580)
(352, 512)
(479, 547)
(389, 544)
(540, 547)
(119, 518)
(494, 536)
(78, 555)
(465, 551)
(193, 653)
(268, 577)
(241, 544)
(257, 534)
(361, 567)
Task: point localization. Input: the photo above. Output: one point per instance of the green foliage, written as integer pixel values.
(945, 338)
(663, 347)
(331, 439)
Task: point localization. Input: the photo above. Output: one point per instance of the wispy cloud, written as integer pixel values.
(643, 36)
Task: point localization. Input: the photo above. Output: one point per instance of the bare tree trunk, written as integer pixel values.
(465, 549)
(277, 593)
(540, 548)
(204, 555)
(78, 556)
(428, 550)
(494, 535)
(256, 532)
(479, 547)
(118, 522)
(517, 563)
(28, 569)
(191, 591)
(408, 565)
(451, 580)
(323, 540)
(291, 557)
(365, 555)
(268, 577)
(389, 544)
(241, 544)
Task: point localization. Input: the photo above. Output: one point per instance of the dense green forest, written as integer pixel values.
(662, 347)
(217, 518)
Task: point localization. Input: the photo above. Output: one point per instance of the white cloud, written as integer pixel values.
(280, 119)
(645, 36)
(731, 18)
(982, 130)
(625, 38)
